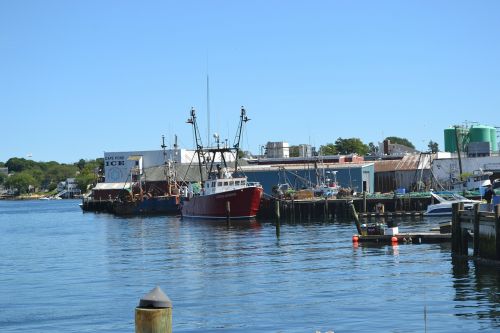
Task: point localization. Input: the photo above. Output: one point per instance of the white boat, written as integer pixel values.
(477, 180)
(445, 203)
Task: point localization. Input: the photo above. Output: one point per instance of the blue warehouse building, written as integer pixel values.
(357, 176)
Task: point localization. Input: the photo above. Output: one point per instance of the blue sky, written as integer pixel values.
(78, 78)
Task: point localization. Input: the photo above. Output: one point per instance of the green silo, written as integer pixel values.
(493, 139)
(450, 138)
(480, 133)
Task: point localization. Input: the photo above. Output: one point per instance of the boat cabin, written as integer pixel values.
(213, 186)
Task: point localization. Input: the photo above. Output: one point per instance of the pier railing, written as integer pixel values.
(482, 228)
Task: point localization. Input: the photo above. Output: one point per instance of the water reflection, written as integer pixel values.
(477, 289)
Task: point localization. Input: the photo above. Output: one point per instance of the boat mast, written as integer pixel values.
(167, 170)
(458, 153)
(243, 120)
(197, 138)
(208, 112)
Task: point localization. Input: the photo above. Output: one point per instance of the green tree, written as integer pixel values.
(3, 177)
(433, 146)
(88, 175)
(16, 164)
(373, 148)
(294, 151)
(21, 181)
(328, 149)
(81, 164)
(401, 141)
(351, 146)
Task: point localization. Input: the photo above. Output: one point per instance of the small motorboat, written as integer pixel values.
(445, 203)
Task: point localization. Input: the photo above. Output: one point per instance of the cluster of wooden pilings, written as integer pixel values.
(304, 210)
(328, 208)
(482, 228)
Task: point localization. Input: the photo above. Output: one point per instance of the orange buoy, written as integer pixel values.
(394, 239)
(355, 239)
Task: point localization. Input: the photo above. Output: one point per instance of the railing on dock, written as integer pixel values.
(483, 228)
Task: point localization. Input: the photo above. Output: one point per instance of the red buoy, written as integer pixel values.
(355, 239)
(394, 239)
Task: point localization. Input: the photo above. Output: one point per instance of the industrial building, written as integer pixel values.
(357, 176)
(119, 165)
(473, 141)
(411, 172)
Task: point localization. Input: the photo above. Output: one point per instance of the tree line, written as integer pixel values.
(356, 146)
(29, 176)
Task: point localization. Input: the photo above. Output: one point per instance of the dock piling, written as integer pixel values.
(277, 209)
(476, 230)
(154, 313)
(356, 218)
(497, 231)
(228, 211)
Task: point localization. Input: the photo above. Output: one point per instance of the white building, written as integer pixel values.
(446, 167)
(121, 166)
(277, 149)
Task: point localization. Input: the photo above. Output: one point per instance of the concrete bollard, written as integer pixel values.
(154, 313)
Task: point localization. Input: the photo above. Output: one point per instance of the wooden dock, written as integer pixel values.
(484, 227)
(419, 214)
(404, 238)
(328, 208)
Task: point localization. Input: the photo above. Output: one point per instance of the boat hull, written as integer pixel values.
(444, 209)
(168, 205)
(243, 204)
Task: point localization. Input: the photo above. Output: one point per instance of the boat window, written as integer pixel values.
(225, 183)
(231, 183)
(219, 183)
(236, 182)
(208, 185)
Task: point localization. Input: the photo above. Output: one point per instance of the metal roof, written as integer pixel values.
(185, 172)
(408, 162)
(111, 186)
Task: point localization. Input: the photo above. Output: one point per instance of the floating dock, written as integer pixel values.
(392, 214)
(404, 238)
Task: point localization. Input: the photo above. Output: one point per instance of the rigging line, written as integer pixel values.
(187, 169)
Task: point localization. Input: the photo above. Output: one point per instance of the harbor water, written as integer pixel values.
(62, 270)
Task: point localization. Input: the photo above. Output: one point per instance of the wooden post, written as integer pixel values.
(308, 212)
(476, 230)
(364, 202)
(326, 209)
(456, 231)
(497, 229)
(356, 218)
(154, 313)
(277, 209)
(228, 211)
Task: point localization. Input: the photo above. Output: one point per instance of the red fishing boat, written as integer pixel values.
(221, 195)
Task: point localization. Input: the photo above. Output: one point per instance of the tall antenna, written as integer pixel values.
(208, 111)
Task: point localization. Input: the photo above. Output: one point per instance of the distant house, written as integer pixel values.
(68, 188)
(5, 171)
(396, 149)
